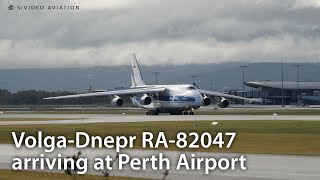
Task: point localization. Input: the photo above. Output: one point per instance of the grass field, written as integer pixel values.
(269, 137)
(18, 175)
(35, 119)
(278, 111)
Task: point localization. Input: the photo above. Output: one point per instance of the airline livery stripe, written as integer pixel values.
(175, 98)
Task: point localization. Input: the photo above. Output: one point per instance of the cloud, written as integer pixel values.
(208, 31)
(306, 3)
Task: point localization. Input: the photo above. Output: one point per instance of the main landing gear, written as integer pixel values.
(152, 112)
(155, 112)
(188, 113)
(182, 113)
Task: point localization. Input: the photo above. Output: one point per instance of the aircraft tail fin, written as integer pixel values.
(136, 78)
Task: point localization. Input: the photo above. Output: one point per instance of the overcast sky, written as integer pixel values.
(105, 32)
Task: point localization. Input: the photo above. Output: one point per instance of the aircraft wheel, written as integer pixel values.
(152, 112)
(176, 113)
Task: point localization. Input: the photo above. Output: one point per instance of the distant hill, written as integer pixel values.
(224, 76)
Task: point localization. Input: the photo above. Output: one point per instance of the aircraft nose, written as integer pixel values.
(198, 96)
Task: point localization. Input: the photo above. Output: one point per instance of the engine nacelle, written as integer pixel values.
(223, 103)
(117, 101)
(145, 100)
(206, 101)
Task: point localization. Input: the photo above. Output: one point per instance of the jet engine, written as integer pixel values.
(145, 100)
(206, 101)
(224, 103)
(117, 101)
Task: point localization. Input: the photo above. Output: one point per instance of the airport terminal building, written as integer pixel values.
(293, 92)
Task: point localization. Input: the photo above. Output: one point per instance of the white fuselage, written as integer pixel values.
(174, 98)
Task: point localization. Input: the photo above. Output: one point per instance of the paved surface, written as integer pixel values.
(104, 118)
(259, 166)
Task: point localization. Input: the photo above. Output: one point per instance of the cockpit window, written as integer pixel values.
(191, 88)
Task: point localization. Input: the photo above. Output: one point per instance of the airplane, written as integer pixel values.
(180, 99)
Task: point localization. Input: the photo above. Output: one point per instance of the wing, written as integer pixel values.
(109, 93)
(218, 94)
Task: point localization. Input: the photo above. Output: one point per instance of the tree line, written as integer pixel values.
(34, 97)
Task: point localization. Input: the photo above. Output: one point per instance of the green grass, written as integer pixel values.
(268, 137)
(85, 111)
(259, 112)
(18, 175)
(35, 119)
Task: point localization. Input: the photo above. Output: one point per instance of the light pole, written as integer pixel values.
(282, 100)
(193, 77)
(298, 69)
(243, 67)
(156, 73)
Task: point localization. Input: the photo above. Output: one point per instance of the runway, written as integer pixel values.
(259, 167)
(105, 118)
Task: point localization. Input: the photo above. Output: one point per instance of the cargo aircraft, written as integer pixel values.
(179, 99)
